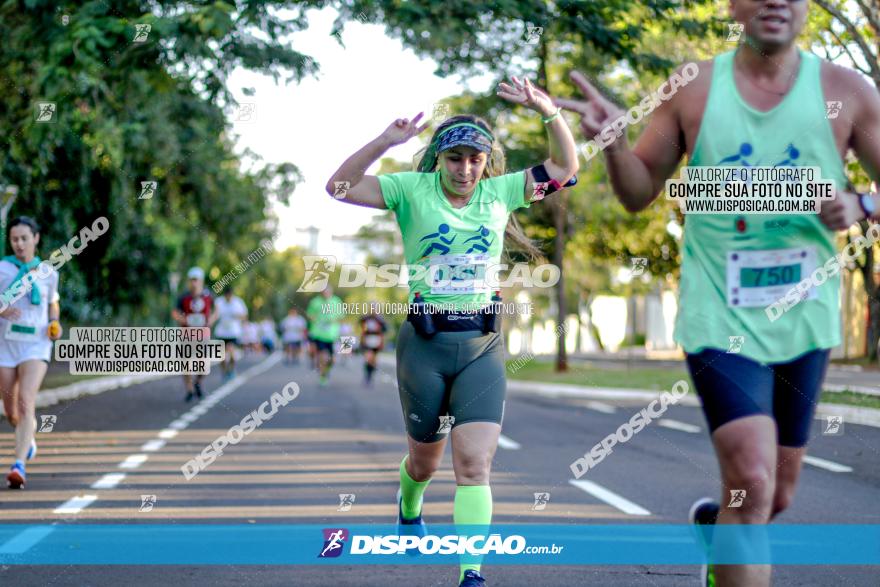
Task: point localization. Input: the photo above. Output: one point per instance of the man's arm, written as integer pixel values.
(637, 175)
(865, 141)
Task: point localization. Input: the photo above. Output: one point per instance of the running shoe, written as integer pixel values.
(16, 477)
(198, 388)
(409, 527)
(473, 579)
(323, 380)
(32, 451)
(703, 515)
(189, 396)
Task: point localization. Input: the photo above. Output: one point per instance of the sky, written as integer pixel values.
(321, 121)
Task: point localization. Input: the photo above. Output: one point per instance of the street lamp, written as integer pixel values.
(8, 193)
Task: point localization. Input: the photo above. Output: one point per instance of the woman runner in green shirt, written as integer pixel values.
(453, 212)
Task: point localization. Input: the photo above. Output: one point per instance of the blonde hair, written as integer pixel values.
(496, 164)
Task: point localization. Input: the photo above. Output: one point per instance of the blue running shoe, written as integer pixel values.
(409, 527)
(473, 579)
(703, 516)
(16, 477)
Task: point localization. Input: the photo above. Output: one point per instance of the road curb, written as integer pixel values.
(52, 396)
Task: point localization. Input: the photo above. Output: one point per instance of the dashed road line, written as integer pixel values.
(611, 498)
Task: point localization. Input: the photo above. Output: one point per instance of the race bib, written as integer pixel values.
(22, 332)
(458, 274)
(195, 320)
(759, 278)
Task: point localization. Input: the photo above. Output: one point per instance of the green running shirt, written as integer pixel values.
(448, 250)
(794, 133)
(324, 316)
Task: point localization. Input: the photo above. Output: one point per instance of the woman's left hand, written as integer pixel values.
(54, 330)
(523, 92)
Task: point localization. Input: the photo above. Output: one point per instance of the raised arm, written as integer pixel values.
(562, 163)
(349, 184)
(637, 175)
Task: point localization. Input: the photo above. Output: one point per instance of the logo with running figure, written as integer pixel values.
(833, 426)
(47, 423)
(437, 241)
(446, 423)
(735, 31)
(346, 500)
(334, 541)
(532, 34)
(832, 109)
(737, 497)
(45, 111)
(541, 501)
(479, 242)
(147, 503)
(318, 269)
(141, 33)
(340, 189)
(735, 344)
(148, 190)
(639, 264)
(346, 345)
(789, 157)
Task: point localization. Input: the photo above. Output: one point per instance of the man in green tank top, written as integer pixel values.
(758, 371)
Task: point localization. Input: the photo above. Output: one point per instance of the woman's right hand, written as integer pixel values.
(403, 129)
(10, 313)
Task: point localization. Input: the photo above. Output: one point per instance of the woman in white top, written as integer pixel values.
(29, 310)
(293, 329)
(231, 312)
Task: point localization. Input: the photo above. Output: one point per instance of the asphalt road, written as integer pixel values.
(347, 439)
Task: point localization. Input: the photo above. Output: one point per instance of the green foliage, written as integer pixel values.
(129, 112)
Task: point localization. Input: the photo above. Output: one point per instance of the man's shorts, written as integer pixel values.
(227, 340)
(455, 374)
(293, 344)
(731, 386)
(323, 346)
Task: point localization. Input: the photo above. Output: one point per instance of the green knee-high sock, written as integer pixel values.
(411, 492)
(473, 506)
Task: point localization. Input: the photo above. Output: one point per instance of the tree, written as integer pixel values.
(137, 93)
(849, 32)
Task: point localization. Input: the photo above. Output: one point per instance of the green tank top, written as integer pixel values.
(783, 247)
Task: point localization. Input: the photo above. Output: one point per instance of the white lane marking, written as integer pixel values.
(23, 541)
(153, 445)
(827, 465)
(507, 443)
(108, 481)
(75, 505)
(133, 461)
(676, 425)
(611, 498)
(600, 407)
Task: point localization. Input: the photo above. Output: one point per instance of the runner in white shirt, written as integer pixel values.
(267, 334)
(250, 339)
(29, 310)
(231, 312)
(293, 333)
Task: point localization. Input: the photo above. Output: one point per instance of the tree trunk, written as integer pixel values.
(559, 222)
